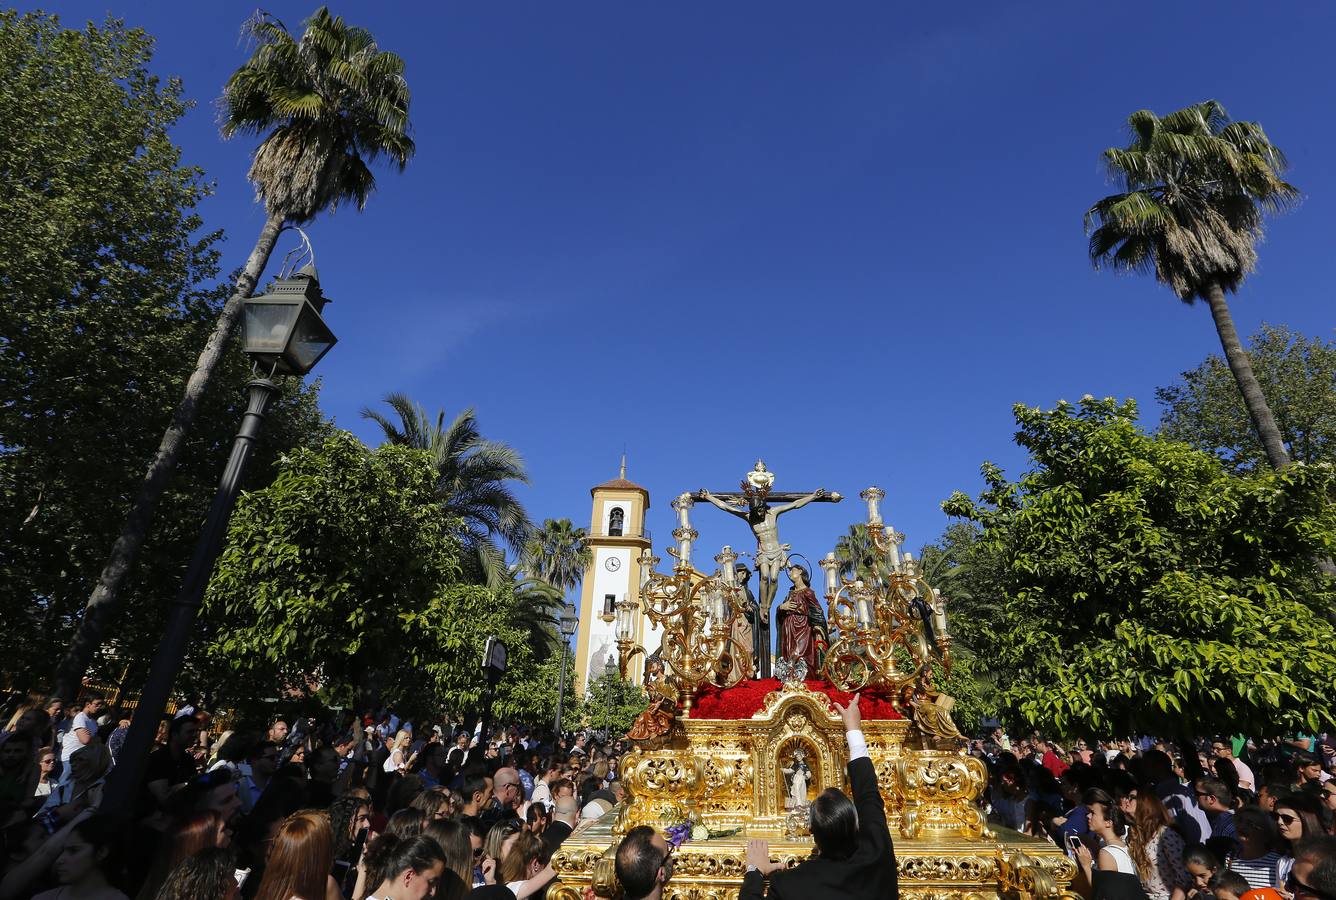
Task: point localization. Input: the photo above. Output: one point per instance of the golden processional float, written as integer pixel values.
(724, 756)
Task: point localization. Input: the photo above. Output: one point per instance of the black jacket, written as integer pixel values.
(555, 835)
(870, 873)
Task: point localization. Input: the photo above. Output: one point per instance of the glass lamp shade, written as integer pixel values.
(568, 623)
(494, 655)
(282, 329)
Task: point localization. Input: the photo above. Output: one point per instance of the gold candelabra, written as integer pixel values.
(696, 613)
(883, 623)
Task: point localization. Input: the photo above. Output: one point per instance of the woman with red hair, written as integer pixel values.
(300, 859)
(188, 835)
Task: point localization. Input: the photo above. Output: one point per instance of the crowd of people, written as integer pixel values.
(370, 807)
(1222, 819)
(365, 808)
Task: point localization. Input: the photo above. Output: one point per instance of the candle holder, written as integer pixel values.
(889, 634)
(696, 613)
(873, 495)
(627, 648)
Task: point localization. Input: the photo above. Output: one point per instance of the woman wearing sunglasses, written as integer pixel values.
(1298, 816)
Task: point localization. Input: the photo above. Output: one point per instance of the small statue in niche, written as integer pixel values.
(798, 776)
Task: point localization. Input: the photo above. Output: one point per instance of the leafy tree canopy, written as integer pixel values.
(1298, 378)
(611, 703)
(106, 294)
(344, 578)
(1145, 588)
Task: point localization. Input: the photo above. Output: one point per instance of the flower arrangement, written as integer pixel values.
(679, 834)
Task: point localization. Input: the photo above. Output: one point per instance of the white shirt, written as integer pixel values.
(70, 742)
(1246, 777)
(857, 744)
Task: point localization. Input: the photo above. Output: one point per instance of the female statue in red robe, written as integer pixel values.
(802, 623)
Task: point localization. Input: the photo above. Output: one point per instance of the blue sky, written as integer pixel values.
(845, 237)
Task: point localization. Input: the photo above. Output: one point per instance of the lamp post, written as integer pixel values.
(493, 667)
(609, 670)
(283, 332)
(567, 623)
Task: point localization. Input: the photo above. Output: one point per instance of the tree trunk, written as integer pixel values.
(1241, 367)
(103, 602)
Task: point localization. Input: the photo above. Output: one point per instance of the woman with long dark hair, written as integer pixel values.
(453, 837)
(300, 860)
(350, 818)
(406, 869)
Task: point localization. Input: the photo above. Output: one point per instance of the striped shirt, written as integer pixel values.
(1262, 872)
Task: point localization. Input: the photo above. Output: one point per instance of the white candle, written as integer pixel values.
(873, 495)
(832, 568)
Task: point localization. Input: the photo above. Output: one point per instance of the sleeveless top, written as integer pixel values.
(1122, 858)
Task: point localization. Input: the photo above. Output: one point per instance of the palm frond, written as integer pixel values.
(1195, 187)
(473, 474)
(328, 102)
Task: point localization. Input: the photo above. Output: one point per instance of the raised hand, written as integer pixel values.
(850, 715)
(758, 855)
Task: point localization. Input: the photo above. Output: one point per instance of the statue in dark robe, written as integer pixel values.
(802, 623)
(760, 625)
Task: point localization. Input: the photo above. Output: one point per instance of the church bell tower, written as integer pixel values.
(617, 537)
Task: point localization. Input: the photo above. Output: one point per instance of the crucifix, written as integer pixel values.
(753, 506)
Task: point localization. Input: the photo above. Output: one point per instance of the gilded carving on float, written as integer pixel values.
(887, 635)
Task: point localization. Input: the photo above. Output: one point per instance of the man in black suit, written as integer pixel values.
(854, 858)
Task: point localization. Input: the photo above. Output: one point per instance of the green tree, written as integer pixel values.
(1195, 185)
(473, 484)
(105, 297)
(1298, 378)
(557, 553)
(1145, 589)
(612, 704)
(960, 566)
(338, 576)
(328, 104)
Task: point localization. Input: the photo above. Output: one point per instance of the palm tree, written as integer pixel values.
(557, 554)
(534, 613)
(1195, 186)
(329, 103)
(473, 481)
(857, 557)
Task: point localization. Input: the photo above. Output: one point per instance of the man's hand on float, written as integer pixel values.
(850, 715)
(758, 856)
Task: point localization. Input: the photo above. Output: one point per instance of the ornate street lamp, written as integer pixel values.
(284, 333)
(567, 623)
(283, 330)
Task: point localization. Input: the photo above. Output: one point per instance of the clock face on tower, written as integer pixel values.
(612, 564)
